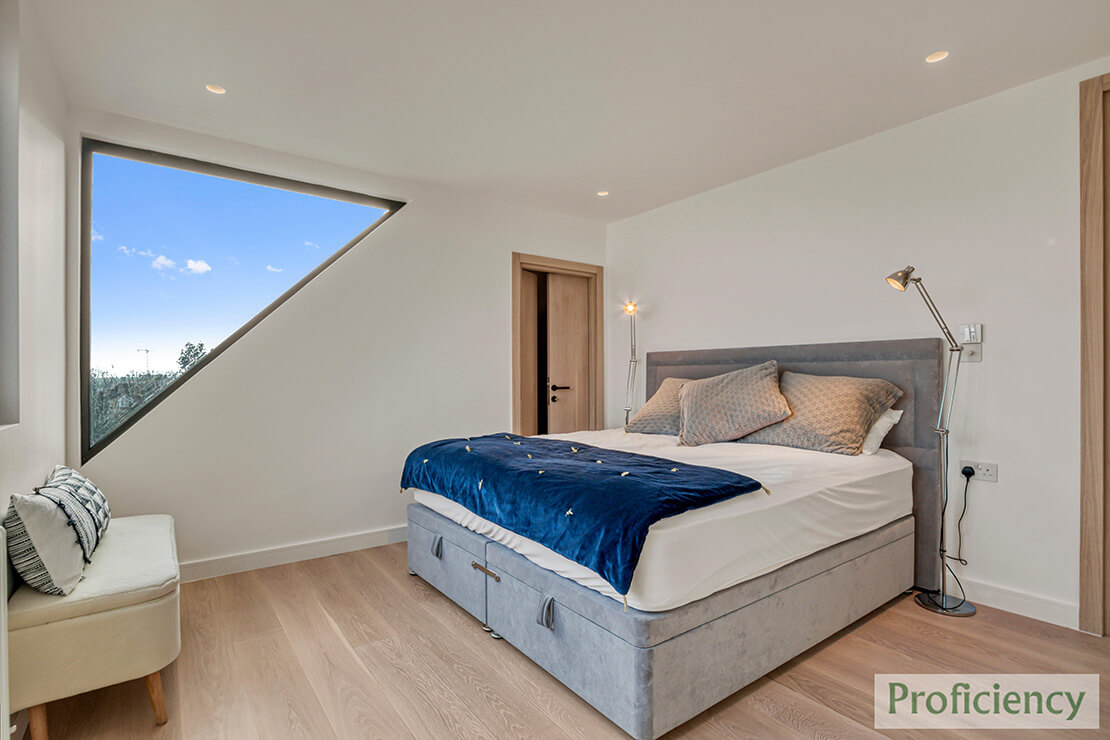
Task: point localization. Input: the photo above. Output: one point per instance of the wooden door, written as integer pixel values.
(1094, 502)
(575, 316)
(568, 353)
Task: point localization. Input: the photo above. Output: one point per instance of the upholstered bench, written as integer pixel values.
(121, 622)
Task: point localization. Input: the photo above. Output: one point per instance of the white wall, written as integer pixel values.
(30, 449)
(297, 433)
(9, 212)
(984, 200)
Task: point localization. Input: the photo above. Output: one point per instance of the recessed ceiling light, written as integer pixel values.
(602, 193)
(215, 89)
(936, 56)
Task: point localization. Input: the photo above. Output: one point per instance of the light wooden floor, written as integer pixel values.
(352, 646)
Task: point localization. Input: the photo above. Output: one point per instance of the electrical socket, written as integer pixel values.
(984, 471)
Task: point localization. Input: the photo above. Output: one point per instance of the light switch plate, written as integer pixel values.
(971, 333)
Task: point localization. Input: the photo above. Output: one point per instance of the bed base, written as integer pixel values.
(649, 672)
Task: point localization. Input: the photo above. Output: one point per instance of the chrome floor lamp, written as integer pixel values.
(941, 602)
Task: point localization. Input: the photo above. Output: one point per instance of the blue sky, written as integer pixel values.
(182, 257)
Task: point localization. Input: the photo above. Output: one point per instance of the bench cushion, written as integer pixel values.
(136, 562)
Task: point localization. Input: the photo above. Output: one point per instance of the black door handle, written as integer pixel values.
(560, 387)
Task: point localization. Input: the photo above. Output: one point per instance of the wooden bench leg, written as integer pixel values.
(37, 727)
(157, 698)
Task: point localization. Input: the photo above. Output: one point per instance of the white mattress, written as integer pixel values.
(817, 499)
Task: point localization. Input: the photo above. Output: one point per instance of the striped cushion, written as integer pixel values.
(42, 546)
(83, 503)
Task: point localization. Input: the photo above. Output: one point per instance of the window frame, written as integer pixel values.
(91, 146)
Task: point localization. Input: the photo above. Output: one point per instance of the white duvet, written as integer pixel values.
(817, 499)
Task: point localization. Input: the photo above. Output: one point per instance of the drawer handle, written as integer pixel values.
(437, 546)
(477, 566)
(546, 615)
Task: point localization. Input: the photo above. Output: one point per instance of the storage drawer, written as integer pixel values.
(591, 661)
(441, 559)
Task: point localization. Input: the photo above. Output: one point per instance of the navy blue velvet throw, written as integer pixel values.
(589, 504)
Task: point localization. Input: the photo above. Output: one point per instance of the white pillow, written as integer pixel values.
(882, 426)
(42, 545)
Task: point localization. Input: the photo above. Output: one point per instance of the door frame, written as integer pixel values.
(595, 274)
(1094, 546)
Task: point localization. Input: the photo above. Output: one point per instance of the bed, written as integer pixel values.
(836, 538)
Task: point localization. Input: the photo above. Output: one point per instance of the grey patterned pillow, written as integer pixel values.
(660, 414)
(830, 413)
(727, 407)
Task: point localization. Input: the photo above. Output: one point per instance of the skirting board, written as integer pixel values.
(1026, 604)
(196, 570)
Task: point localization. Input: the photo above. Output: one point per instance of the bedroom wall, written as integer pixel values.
(30, 448)
(290, 444)
(984, 200)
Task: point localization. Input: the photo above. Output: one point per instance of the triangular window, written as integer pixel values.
(181, 258)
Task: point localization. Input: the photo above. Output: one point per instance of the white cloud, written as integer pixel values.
(271, 268)
(162, 262)
(197, 267)
(126, 250)
(233, 260)
(97, 236)
(145, 253)
(314, 245)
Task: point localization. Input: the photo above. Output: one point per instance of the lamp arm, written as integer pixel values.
(952, 343)
(948, 399)
(955, 355)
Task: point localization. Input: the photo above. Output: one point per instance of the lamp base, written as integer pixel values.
(945, 604)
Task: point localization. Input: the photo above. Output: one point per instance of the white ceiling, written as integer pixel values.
(549, 102)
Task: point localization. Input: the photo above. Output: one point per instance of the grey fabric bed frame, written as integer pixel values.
(649, 672)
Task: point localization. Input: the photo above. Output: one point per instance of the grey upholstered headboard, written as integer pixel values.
(914, 365)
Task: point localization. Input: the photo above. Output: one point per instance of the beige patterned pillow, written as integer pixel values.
(830, 413)
(727, 407)
(660, 414)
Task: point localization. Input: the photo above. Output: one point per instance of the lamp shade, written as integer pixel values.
(899, 280)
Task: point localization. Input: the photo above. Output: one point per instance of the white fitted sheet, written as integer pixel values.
(817, 500)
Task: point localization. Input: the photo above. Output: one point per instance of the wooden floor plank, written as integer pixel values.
(213, 701)
(246, 610)
(351, 599)
(420, 692)
(803, 715)
(355, 704)
(352, 646)
(282, 701)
